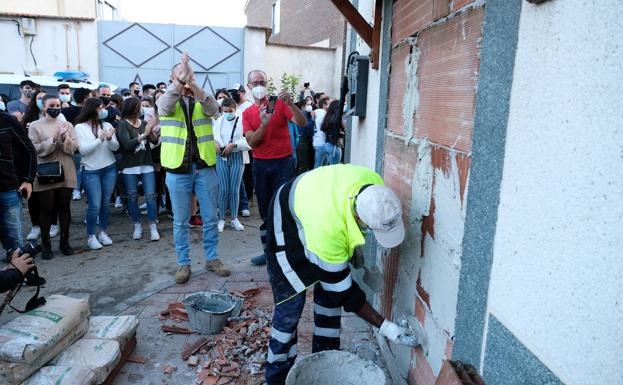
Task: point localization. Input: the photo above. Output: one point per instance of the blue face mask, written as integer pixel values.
(2, 106)
(40, 104)
(102, 114)
(229, 115)
(65, 98)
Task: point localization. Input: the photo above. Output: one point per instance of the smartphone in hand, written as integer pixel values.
(271, 104)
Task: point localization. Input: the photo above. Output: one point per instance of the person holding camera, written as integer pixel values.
(265, 126)
(18, 167)
(55, 143)
(13, 274)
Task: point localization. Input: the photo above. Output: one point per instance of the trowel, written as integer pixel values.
(417, 335)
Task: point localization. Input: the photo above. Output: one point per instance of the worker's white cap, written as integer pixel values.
(379, 208)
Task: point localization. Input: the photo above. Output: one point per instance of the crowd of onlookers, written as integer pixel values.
(109, 146)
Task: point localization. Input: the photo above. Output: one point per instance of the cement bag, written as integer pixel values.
(32, 334)
(101, 356)
(62, 375)
(13, 373)
(120, 329)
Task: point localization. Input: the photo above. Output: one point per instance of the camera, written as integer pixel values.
(32, 277)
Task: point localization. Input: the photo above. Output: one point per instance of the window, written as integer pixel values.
(276, 17)
(107, 11)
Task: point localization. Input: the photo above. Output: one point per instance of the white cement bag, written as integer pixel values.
(13, 373)
(120, 328)
(62, 375)
(100, 356)
(34, 333)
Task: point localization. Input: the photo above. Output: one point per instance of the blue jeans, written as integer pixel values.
(269, 175)
(319, 156)
(204, 183)
(77, 160)
(11, 220)
(333, 153)
(99, 185)
(244, 199)
(130, 182)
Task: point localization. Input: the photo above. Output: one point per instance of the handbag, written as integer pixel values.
(50, 172)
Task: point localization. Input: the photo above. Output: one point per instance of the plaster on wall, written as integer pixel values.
(411, 97)
(556, 279)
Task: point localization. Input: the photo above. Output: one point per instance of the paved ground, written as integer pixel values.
(136, 277)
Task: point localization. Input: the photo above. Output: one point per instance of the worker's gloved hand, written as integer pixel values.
(392, 331)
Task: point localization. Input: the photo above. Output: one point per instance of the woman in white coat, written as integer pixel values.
(230, 145)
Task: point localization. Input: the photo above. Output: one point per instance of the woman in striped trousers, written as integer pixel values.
(230, 145)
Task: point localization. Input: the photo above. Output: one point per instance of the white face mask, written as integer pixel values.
(309, 108)
(259, 92)
(219, 101)
(148, 110)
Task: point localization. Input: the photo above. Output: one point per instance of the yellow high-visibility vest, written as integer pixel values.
(174, 133)
(324, 203)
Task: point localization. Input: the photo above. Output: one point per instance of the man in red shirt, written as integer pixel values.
(269, 136)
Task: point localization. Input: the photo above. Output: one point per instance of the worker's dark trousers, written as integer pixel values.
(283, 337)
(268, 176)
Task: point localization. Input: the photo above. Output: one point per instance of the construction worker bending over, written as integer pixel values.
(315, 221)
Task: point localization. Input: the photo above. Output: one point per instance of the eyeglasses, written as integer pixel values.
(260, 83)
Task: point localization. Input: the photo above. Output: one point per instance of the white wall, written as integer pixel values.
(50, 48)
(557, 272)
(363, 139)
(315, 65)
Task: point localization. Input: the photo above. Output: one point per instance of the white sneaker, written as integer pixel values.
(104, 239)
(221, 225)
(76, 196)
(93, 243)
(118, 203)
(34, 233)
(143, 206)
(246, 213)
(153, 231)
(235, 223)
(138, 231)
(53, 231)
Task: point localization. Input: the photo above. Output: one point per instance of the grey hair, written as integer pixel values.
(254, 71)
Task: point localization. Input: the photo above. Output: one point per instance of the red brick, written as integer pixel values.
(409, 17)
(399, 163)
(447, 80)
(303, 22)
(423, 373)
(420, 311)
(441, 9)
(458, 4)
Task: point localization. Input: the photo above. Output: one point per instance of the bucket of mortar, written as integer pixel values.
(208, 311)
(335, 367)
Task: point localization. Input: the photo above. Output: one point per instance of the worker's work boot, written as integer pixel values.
(182, 274)
(217, 267)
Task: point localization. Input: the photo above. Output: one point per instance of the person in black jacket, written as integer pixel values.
(14, 273)
(18, 167)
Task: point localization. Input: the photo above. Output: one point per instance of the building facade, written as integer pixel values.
(494, 121)
(44, 37)
(298, 37)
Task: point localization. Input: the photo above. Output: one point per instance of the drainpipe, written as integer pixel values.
(66, 26)
(78, 27)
